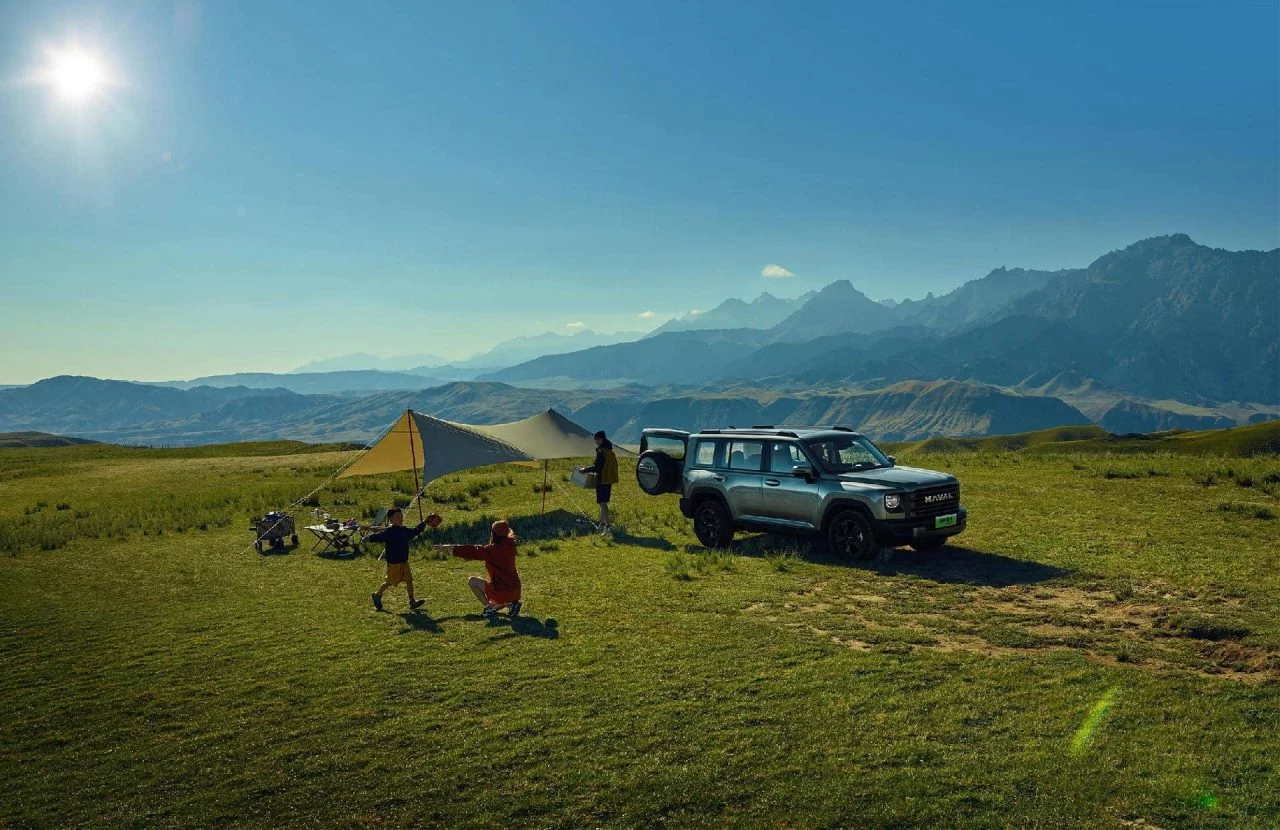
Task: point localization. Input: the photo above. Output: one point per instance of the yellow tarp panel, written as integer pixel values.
(441, 447)
(391, 454)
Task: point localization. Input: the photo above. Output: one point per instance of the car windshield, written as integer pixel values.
(847, 454)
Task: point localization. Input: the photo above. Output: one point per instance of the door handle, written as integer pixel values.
(719, 478)
(772, 482)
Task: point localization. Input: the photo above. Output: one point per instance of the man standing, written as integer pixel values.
(606, 470)
(396, 537)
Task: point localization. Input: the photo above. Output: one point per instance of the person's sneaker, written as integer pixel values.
(377, 602)
(514, 609)
(416, 604)
(489, 612)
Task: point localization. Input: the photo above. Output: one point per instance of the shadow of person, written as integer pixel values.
(523, 626)
(624, 537)
(418, 621)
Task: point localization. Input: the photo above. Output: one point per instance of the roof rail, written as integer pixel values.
(762, 426)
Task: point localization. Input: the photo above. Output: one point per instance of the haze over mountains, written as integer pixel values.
(1164, 333)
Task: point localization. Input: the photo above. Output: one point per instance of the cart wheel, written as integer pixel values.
(294, 539)
(258, 546)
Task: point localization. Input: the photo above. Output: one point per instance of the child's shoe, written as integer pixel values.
(514, 609)
(416, 604)
(377, 602)
(489, 612)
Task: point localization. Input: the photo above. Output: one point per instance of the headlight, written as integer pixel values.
(892, 501)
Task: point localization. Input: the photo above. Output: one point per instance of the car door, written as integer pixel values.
(743, 473)
(786, 498)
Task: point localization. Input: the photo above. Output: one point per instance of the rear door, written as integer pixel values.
(743, 476)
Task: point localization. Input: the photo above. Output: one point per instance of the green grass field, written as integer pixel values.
(1101, 648)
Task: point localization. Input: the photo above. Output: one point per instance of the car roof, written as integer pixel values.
(805, 432)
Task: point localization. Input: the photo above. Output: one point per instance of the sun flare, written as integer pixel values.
(75, 74)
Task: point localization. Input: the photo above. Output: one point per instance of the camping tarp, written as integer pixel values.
(439, 447)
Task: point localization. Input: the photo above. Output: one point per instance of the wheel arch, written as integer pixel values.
(841, 505)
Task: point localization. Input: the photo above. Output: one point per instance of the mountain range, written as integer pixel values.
(1162, 334)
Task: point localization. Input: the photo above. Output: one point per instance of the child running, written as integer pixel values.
(397, 537)
(502, 588)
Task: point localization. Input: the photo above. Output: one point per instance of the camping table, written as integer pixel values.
(341, 539)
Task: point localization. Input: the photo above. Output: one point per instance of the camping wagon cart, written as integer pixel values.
(272, 529)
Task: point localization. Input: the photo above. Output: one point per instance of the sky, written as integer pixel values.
(254, 185)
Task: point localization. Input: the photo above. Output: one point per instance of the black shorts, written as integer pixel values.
(603, 493)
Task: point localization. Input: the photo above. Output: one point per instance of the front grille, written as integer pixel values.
(926, 502)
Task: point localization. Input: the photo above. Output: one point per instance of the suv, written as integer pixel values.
(828, 482)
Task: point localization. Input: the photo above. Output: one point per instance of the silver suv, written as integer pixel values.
(828, 482)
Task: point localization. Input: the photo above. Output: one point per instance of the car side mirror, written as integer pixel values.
(893, 459)
(802, 471)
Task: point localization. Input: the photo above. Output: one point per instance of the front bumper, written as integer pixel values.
(903, 531)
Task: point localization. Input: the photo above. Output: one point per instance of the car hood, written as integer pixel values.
(904, 477)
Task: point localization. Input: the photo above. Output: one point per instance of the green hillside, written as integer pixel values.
(1245, 441)
(1064, 664)
(39, 439)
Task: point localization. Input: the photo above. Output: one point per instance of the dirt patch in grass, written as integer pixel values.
(1153, 626)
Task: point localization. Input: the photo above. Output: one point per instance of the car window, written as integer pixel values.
(745, 455)
(673, 447)
(705, 454)
(784, 456)
(844, 455)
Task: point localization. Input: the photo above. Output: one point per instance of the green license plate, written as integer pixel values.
(945, 521)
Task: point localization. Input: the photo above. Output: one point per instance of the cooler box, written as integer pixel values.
(586, 480)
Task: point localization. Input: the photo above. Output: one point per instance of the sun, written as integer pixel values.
(76, 75)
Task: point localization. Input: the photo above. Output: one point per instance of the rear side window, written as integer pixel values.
(704, 455)
(746, 455)
(672, 447)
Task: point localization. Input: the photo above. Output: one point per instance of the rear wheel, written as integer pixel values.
(258, 546)
(929, 545)
(294, 539)
(849, 536)
(711, 524)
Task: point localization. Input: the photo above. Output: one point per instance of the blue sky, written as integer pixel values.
(266, 183)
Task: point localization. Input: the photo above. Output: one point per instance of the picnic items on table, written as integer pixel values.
(337, 536)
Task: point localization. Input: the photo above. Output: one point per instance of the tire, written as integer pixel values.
(849, 536)
(929, 545)
(277, 543)
(294, 539)
(258, 546)
(657, 473)
(712, 525)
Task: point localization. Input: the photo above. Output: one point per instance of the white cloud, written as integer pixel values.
(646, 315)
(775, 271)
(577, 324)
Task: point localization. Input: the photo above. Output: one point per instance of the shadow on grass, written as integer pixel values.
(535, 527)
(960, 565)
(341, 555)
(523, 626)
(951, 564)
(623, 537)
(280, 551)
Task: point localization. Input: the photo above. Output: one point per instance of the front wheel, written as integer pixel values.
(849, 536)
(711, 524)
(929, 545)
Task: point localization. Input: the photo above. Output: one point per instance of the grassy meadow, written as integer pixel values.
(1101, 648)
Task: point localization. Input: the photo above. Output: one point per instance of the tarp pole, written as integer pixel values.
(545, 462)
(413, 455)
